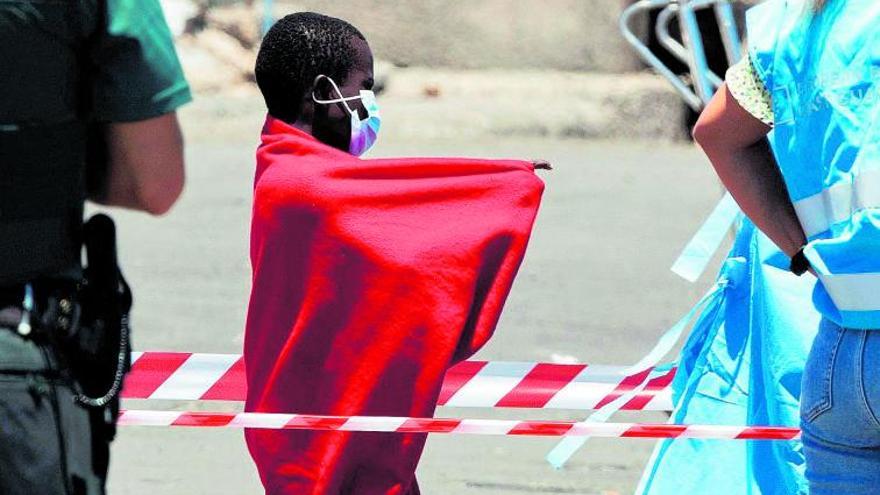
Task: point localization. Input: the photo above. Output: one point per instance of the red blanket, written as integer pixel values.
(370, 279)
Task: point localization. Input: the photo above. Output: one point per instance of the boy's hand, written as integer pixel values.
(542, 165)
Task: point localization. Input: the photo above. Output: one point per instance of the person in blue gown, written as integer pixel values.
(812, 188)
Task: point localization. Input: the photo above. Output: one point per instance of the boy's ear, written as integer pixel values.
(321, 89)
(307, 103)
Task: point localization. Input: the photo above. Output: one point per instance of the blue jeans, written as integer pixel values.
(840, 403)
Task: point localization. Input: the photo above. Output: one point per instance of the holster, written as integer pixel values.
(105, 299)
(90, 329)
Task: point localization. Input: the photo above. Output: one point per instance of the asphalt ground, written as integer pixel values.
(595, 287)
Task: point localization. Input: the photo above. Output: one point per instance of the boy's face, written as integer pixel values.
(332, 123)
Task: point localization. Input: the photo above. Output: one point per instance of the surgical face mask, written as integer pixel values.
(363, 132)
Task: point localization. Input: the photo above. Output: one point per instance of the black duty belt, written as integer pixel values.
(46, 295)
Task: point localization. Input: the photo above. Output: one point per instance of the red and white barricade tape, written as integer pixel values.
(188, 376)
(451, 426)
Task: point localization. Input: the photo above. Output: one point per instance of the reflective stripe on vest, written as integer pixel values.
(854, 292)
(838, 203)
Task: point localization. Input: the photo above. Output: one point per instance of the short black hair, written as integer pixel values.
(296, 50)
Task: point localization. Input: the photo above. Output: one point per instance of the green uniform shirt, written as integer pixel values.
(139, 75)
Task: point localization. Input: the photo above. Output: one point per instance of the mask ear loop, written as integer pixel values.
(342, 99)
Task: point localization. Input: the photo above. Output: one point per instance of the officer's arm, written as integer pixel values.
(145, 169)
(736, 144)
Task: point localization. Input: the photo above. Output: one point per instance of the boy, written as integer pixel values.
(370, 277)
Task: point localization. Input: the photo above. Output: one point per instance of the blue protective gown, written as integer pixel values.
(744, 359)
(741, 365)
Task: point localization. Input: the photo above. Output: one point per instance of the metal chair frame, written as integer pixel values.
(697, 90)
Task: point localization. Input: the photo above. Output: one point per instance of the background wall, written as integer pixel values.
(496, 67)
(580, 35)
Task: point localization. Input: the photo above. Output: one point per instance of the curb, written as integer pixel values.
(456, 104)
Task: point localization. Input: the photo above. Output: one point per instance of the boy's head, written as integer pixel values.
(296, 52)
